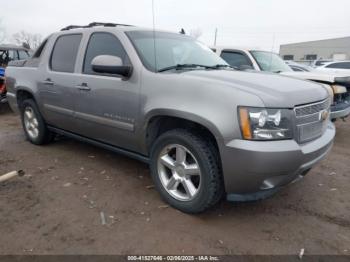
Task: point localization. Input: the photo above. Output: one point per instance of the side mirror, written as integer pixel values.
(107, 64)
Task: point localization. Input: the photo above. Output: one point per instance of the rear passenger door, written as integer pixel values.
(107, 105)
(57, 82)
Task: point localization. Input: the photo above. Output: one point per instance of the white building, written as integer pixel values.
(333, 49)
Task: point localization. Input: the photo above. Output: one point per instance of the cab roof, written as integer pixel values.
(12, 47)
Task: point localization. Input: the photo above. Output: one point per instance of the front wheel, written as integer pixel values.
(185, 169)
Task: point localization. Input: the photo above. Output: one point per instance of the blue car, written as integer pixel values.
(2, 85)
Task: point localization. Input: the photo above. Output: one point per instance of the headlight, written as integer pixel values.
(337, 89)
(265, 123)
(330, 91)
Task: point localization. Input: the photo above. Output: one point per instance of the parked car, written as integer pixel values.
(320, 62)
(2, 86)
(9, 53)
(205, 129)
(297, 67)
(335, 67)
(337, 84)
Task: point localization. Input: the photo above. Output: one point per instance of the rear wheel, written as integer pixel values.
(186, 171)
(33, 124)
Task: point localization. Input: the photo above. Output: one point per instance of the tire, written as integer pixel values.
(41, 135)
(181, 184)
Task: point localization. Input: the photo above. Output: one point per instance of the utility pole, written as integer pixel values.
(216, 35)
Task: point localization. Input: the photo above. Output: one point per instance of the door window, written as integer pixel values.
(288, 57)
(23, 54)
(65, 53)
(235, 59)
(310, 57)
(13, 55)
(103, 44)
(344, 65)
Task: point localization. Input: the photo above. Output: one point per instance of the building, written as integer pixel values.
(332, 49)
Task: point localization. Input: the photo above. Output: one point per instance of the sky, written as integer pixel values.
(245, 23)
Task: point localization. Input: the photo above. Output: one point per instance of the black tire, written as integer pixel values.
(211, 189)
(44, 135)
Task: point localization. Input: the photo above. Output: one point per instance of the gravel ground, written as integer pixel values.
(56, 207)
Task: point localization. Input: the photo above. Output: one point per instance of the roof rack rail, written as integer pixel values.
(93, 24)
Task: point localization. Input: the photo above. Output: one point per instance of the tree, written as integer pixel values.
(28, 40)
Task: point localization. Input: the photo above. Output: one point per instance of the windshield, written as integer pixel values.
(270, 62)
(171, 50)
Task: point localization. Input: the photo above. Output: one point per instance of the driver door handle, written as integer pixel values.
(83, 87)
(48, 82)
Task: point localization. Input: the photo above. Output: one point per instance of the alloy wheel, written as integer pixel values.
(31, 123)
(179, 172)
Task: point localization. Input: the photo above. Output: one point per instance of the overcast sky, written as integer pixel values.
(252, 23)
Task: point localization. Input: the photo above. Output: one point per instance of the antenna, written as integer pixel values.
(154, 36)
(216, 35)
(272, 49)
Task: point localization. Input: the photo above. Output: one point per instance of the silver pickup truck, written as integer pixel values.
(206, 130)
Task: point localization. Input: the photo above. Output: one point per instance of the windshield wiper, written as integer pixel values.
(221, 66)
(183, 66)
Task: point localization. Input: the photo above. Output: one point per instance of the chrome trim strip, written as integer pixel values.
(92, 118)
(58, 109)
(309, 123)
(315, 103)
(105, 121)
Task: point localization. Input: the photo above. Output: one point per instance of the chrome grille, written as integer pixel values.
(310, 124)
(312, 108)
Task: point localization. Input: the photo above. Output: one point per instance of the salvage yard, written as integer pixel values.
(79, 199)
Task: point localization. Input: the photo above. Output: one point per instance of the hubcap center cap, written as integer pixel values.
(180, 170)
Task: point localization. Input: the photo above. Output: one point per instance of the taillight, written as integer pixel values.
(2, 87)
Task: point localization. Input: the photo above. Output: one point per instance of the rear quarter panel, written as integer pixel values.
(20, 78)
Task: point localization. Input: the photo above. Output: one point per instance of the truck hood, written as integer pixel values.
(317, 76)
(274, 90)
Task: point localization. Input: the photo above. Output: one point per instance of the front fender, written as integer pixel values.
(186, 116)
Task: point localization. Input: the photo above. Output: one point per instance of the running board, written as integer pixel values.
(114, 149)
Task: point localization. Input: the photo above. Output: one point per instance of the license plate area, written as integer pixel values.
(310, 131)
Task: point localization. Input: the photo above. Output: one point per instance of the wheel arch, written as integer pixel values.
(22, 94)
(159, 121)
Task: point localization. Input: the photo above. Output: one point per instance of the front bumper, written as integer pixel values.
(12, 100)
(3, 98)
(254, 166)
(340, 110)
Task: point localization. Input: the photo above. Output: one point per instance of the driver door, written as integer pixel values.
(106, 106)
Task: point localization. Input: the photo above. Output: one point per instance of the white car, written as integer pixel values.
(320, 62)
(299, 67)
(248, 59)
(335, 67)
